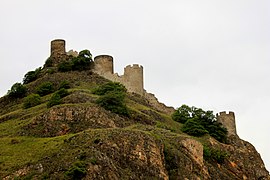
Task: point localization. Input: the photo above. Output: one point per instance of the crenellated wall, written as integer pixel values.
(228, 121)
(132, 78)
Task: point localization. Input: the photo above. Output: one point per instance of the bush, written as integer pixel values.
(45, 88)
(62, 92)
(114, 102)
(55, 100)
(77, 171)
(109, 87)
(82, 62)
(64, 84)
(49, 62)
(31, 101)
(17, 91)
(31, 76)
(112, 97)
(217, 155)
(65, 66)
(57, 97)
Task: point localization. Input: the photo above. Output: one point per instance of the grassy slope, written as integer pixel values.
(19, 151)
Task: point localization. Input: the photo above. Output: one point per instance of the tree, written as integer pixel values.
(17, 91)
(182, 114)
(194, 128)
(198, 122)
(31, 76)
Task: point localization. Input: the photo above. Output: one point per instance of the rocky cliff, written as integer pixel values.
(79, 139)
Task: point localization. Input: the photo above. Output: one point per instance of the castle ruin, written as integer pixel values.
(228, 121)
(132, 79)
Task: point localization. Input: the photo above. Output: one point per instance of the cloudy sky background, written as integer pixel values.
(213, 54)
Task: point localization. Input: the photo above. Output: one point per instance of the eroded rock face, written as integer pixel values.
(62, 120)
(195, 149)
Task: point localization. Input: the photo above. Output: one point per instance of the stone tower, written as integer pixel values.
(103, 64)
(58, 48)
(228, 121)
(133, 77)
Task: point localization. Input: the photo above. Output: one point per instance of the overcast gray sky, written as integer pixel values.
(213, 54)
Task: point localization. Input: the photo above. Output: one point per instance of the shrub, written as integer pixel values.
(65, 66)
(62, 92)
(217, 155)
(82, 62)
(77, 170)
(57, 97)
(112, 97)
(45, 88)
(64, 84)
(114, 102)
(31, 101)
(55, 100)
(17, 91)
(109, 87)
(49, 62)
(31, 76)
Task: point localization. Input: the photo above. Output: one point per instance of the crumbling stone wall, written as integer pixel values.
(58, 47)
(228, 121)
(104, 64)
(58, 52)
(132, 79)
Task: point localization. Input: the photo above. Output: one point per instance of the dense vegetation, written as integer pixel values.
(82, 62)
(198, 122)
(31, 101)
(57, 97)
(112, 96)
(17, 91)
(31, 76)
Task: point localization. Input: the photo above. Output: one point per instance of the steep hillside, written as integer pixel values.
(77, 138)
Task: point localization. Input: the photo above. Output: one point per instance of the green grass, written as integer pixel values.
(17, 152)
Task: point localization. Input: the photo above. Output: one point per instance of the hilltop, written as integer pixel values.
(74, 118)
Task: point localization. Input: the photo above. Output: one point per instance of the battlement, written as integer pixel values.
(224, 113)
(134, 66)
(228, 121)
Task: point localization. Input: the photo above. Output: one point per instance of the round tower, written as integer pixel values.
(58, 47)
(103, 64)
(133, 77)
(228, 121)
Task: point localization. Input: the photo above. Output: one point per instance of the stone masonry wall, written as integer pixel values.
(228, 121)
(58, 47)
(132, 79)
